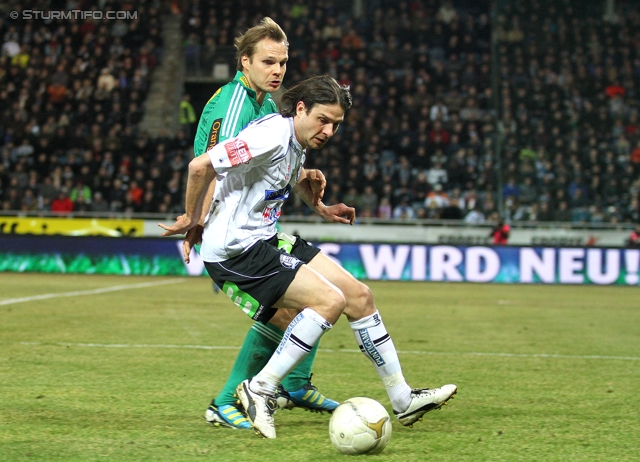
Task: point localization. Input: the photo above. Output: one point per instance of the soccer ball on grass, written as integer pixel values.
(360, 426)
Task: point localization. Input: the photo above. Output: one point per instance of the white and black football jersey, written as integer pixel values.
(258, 168)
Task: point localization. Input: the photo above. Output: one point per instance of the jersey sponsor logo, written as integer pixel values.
(238, 152)
(214, 133)
(280, 194)
(270, 214)
(289, 261)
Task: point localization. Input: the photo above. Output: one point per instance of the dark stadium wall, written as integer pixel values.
(200, 93)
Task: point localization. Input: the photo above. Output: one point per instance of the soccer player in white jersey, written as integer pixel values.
(261, 166)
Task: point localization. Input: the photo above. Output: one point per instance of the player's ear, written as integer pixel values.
(245, 60)
(301, 108)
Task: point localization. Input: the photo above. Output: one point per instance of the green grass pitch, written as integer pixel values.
(122, 369)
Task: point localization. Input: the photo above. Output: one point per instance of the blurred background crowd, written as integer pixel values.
(529, 110)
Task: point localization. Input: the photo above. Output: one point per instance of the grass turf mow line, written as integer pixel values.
(347, 350)
(142, 285)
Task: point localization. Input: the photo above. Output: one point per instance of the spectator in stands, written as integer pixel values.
(634, 238)
(403, 210)
(368, 200)
(437, 174)
(98, 204)
(452, 211)
(106, 82)
(511, 189)
(437, 198)
(384, 209)
(80, 195)
(62, 204)
(500, 233)
(545, 214)
(420, 188)
(528, 194)
(475, 216)
(187, 116)
(562, 213)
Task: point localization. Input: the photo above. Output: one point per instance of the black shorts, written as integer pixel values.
(257, 278)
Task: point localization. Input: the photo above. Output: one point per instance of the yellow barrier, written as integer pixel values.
(72, 226)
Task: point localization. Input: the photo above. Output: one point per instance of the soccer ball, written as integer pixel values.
(360, 426)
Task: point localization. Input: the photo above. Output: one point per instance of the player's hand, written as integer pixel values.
(338, 213)
(181, 226)
(193, 237)
(317, 182)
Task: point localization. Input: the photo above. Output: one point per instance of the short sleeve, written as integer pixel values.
(255, 145)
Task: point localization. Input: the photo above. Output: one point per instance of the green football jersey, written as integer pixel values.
(229, 110)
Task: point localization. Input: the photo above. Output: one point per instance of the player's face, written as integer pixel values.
(314, 129)
(266, 68)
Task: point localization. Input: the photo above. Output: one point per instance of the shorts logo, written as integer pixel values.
(213, 133)
(289, 261)
(238, 152)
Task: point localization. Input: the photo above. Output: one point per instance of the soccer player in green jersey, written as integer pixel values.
(262, 54)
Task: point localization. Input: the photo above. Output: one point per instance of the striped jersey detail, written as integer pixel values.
(233, 112)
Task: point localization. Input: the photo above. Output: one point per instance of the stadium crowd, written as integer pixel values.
(429, 135)
(72, 93)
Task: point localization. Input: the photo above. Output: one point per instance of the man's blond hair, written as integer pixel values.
(265, 29)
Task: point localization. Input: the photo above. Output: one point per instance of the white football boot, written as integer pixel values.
(260, 408)
(424, 400)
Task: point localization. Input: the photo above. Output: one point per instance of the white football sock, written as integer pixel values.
(303, 332)
(376, 344)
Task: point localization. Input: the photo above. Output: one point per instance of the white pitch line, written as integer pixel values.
(342, 350)
(140, 285)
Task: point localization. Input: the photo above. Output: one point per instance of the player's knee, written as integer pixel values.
(360, 302)
(338, 300)
(364, 295)
(335, 304)
(360, 296)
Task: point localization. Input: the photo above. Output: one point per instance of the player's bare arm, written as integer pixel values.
(201, 175)
(194, 235)
(310, 188)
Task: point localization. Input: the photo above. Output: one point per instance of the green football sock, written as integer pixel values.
(300, 375)
(259, 344)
